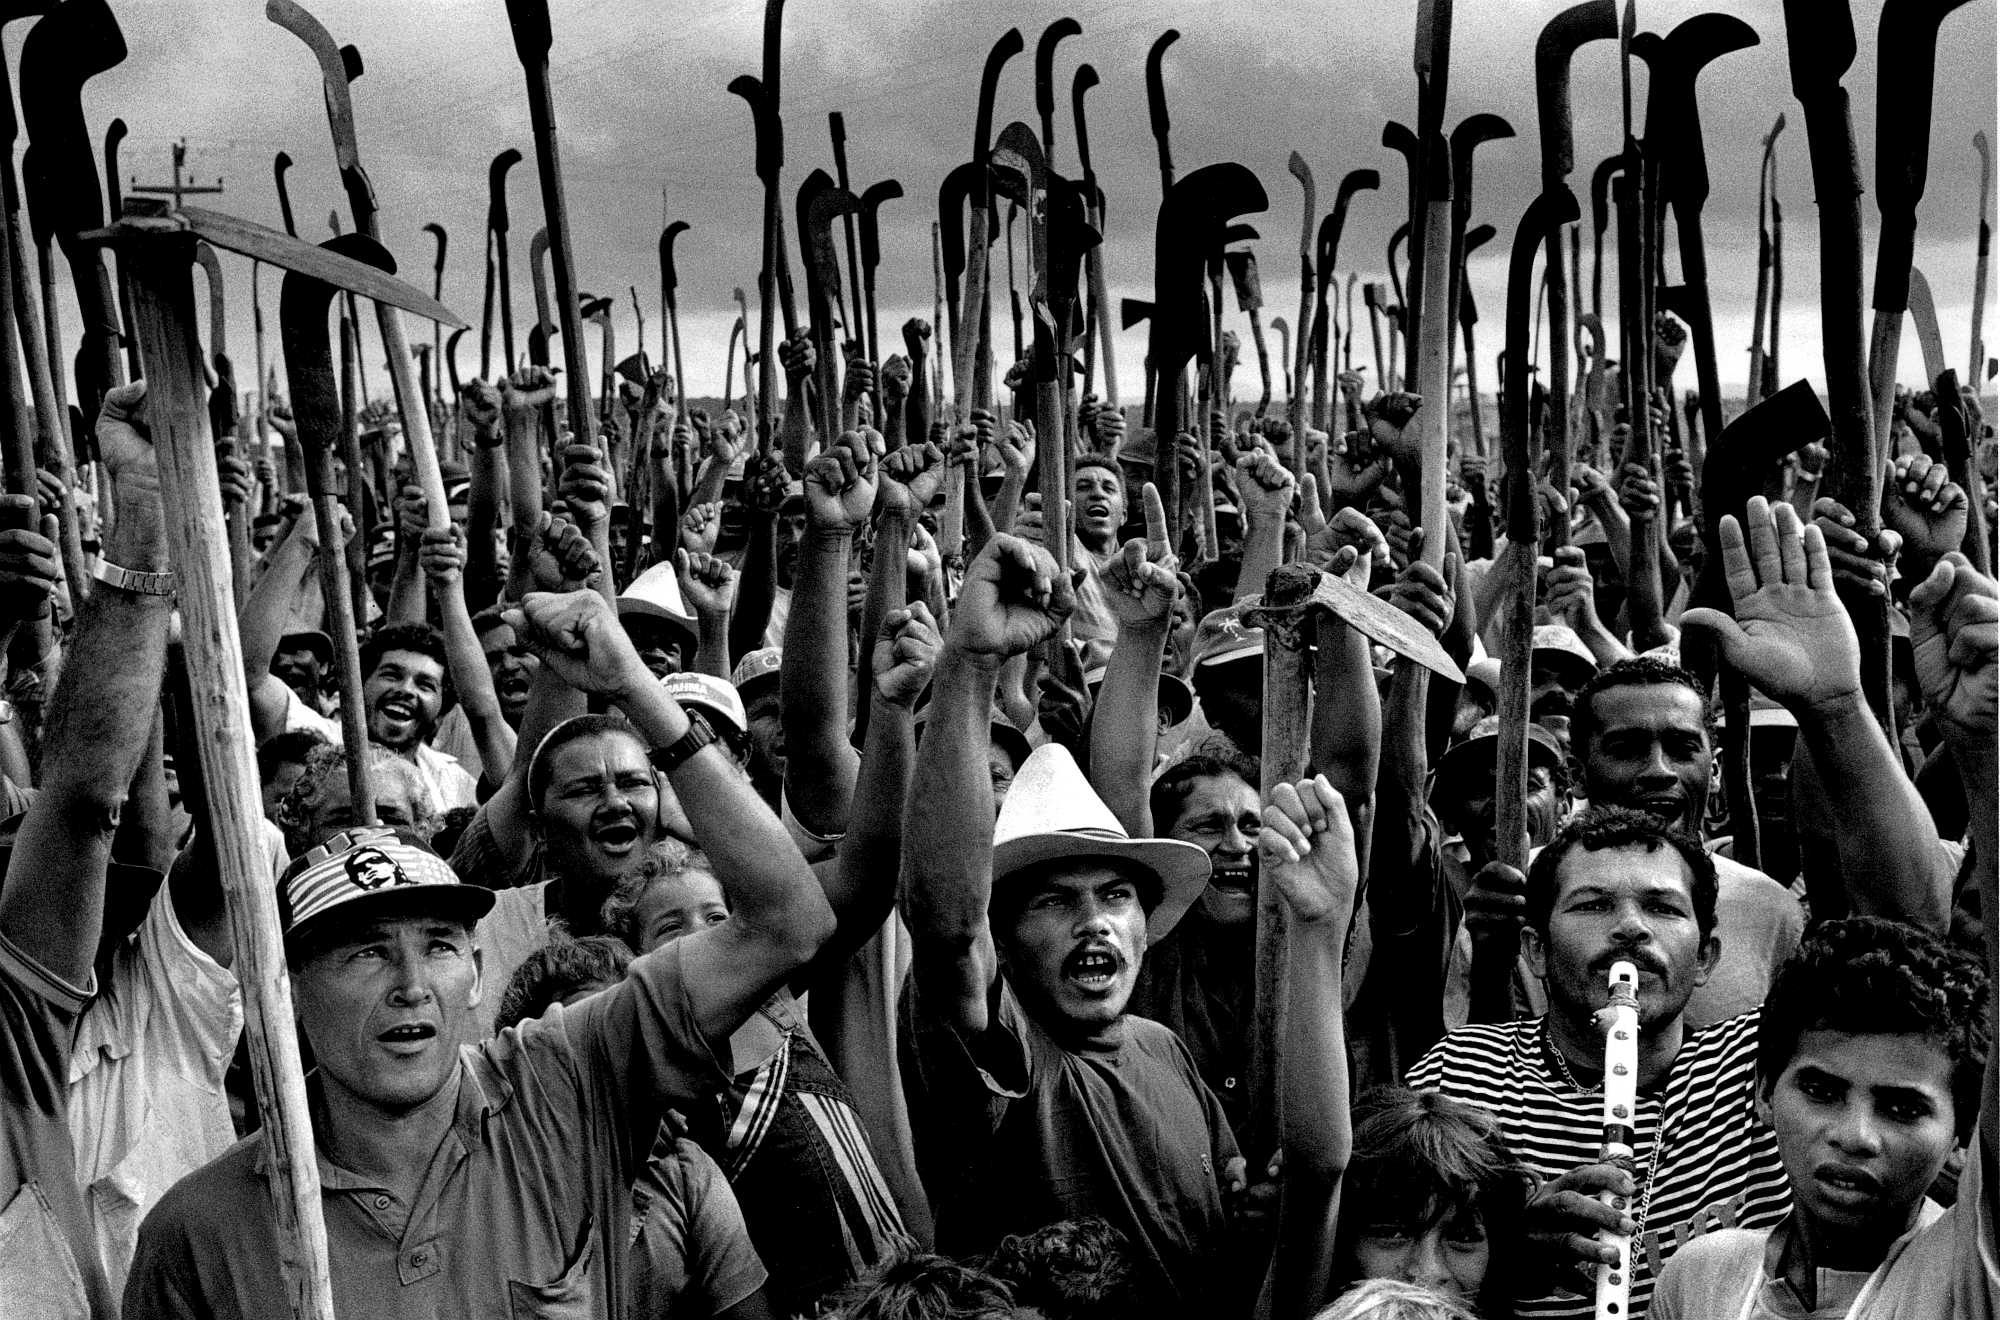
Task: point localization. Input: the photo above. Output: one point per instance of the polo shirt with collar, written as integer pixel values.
(526, 1207)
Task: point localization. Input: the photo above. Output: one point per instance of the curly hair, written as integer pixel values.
(1420, 1157)
(1640, 671)
(665, 859)
(562, 967)
(924, 1287)
(419, 638)
(1621, 827)
(1078, 1269)
(297, 813)
(1868, 976)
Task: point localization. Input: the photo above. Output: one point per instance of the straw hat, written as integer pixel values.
(1052, 815)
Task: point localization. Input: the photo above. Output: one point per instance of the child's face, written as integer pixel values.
(1449, 1255)
(1864, 1123)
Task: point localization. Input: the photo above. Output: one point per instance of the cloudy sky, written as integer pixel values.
(649, 131)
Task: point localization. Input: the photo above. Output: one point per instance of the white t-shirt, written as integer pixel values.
(445, 780)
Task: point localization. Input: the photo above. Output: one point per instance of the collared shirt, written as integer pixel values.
(48, 1259)
(147, 1102)
(525, 1209)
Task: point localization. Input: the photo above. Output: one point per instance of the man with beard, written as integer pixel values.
(402, 690)
(1618, 885)
(1029, 933)
(304, 663)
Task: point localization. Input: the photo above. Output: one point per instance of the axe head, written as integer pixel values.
(633, 369)
(1156, 84)
(1194, 221)
(1738, 461)
(145, 218)
(1593, 20)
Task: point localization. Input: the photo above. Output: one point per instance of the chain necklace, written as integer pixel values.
(1555, 1054)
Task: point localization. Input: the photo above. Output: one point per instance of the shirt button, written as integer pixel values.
(420, 1258)
(1229, 1083)
(381, 1203)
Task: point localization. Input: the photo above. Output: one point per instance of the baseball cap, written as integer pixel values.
(1223, 637)
(309, 639)
(373, 871)
(713, 695)
(757, 665)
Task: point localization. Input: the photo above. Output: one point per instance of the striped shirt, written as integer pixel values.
(1711, 1163)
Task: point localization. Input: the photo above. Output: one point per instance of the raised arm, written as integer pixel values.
(443, 557)
(1141, 586)
(261, 622)
(778, 915)
(52, 906)
(1307, 851)
(819, 762)
(1013, 598)
(1792, 638)
(1267, 498)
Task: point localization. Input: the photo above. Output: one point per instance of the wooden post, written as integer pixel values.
(163, 298)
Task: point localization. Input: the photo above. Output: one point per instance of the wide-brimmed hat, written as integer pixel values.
(372, 871)
(714, 696)
(1052, 815)
(656, 594)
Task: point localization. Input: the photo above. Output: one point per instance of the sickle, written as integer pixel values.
(820, 201)
(1330, 230)
(872, 198)
(1156, 105)
(1045, 81)
(1471, 133)
(1468, 316)
(1100, 343)
(497, 221)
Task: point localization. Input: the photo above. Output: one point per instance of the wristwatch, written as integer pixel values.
(132, 580)
(674, 755)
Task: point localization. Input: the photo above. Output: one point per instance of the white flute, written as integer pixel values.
(1619, 1020)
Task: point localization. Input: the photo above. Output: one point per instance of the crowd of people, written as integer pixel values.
(844, 855)
(761, 908)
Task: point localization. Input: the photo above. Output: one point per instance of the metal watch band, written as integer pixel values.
(675, 754)
(132, 580)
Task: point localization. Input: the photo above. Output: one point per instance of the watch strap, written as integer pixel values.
(677, 753)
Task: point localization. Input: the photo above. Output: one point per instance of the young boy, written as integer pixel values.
(1871, 1051)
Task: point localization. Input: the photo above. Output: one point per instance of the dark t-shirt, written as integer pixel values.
(1016, 1131)
(48, 1251)
(1198, 983)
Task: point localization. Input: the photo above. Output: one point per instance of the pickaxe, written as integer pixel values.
(670, 309)
(872, 198)
(820, 202)
(496, 234)
(1908, 44)
(1468, 316)
(774, 279)
(1972, 372)
(338, 67)
(532, 40)
(1099, 325)
(1546, 216)
(1250, 301)
(1820, 46)
(1327, 251)
(1192, 217)
(1295, 399)
(1766, 168)
(159, 253)
(62, 51)
(1561, 38)
(1156, 109)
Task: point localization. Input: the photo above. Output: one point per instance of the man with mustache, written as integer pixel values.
(1028, 934)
